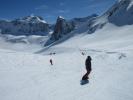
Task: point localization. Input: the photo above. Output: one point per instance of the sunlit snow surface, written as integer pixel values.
(29, 76)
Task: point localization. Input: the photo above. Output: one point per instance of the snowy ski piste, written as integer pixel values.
(30, 71)
(29, 76)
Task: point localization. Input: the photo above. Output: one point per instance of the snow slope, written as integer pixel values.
(27, 76)
(120, 14)
(22, 43)
(110, 37)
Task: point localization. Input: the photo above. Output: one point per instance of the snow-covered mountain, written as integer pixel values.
(61, 28)
(29, 76)
(30, 25)
(79, 21)
(66, 28)
(35, 25)
(120, 14)
(23, 43)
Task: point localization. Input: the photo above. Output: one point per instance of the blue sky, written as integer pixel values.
(50, 9)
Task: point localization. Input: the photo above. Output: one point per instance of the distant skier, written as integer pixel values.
(83, 53)
(88, 68)
(51, 61)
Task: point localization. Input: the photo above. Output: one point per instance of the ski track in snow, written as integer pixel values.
(27, 76)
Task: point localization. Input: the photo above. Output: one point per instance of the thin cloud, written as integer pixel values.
(95, 5)
(48, 16)
(42, 7)
(63, 11)
(61, 3)
(96, 1)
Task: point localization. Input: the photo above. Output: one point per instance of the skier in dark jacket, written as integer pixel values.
(88, 68)
(51, 62)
